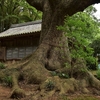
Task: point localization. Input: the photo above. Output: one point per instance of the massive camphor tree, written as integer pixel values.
(52, 54)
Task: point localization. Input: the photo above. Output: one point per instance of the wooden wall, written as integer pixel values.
(19, 52)
(19, 47)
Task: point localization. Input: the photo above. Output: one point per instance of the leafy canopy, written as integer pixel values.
(96, 46)
(16, 11)
(81, 29)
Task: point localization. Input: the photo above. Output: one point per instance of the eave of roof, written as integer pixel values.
(18, 29)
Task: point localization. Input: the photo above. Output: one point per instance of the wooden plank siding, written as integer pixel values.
(19, 52)
(19, 47)
(20, 40)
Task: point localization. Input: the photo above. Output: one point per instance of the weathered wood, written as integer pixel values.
(19, 47)
(2, 53)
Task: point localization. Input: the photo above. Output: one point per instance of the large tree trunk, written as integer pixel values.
(53, 51)
(52, 54)
(56, 52)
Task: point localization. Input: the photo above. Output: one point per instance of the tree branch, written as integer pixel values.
(72, 6)
(38, 4)
(68, 6)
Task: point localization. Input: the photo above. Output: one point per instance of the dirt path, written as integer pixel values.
(4, 93)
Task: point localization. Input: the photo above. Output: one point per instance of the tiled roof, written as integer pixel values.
(18, 29)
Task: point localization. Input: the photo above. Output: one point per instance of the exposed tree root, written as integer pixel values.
(33, 71)
(94, 81)
(51, 85)
(55, 85)
(16, 91)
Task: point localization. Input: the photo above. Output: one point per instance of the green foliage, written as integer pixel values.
(50, 85)
(8, 80)
(16, 11)
(53, 73)
(79, 98)
(96, 46)
(98, 74)
(61, 75)
(81, 29)
(83, 70)
(65, 98)
(91, 10)
(85, 98)
(2, 66)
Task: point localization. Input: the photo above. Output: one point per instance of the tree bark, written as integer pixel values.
(54, 11)
(52, 53)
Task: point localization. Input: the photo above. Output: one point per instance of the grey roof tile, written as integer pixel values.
(18, 29)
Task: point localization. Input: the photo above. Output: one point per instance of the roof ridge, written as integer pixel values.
(26, 23)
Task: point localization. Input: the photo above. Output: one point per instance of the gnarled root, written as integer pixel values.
(94, 81)
(16, 91)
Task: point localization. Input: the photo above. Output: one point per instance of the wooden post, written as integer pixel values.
(3, 53)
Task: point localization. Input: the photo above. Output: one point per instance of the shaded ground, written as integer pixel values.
(31, 90)
(5, 92)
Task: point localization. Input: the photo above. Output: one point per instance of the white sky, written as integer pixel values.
(97, 14)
